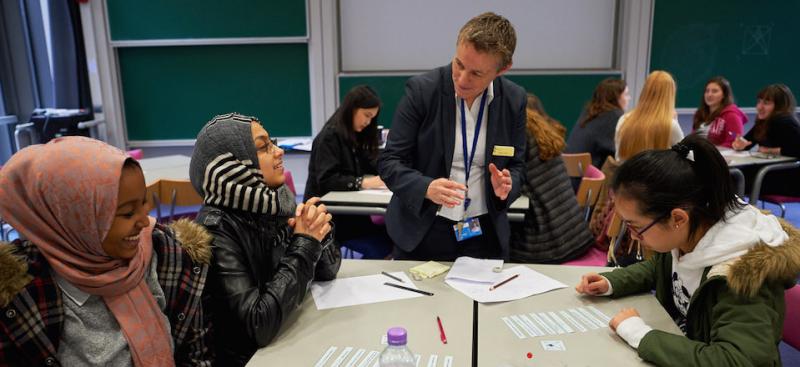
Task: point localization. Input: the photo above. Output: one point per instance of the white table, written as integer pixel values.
(368, 202)
(173, 167)
(498, 346)
(308, 332)
(739, 159)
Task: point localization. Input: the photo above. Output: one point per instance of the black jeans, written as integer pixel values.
(440, 244)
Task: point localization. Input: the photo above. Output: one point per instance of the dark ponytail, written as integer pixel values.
(692, 175)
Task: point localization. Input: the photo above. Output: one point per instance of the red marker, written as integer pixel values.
(441, 330)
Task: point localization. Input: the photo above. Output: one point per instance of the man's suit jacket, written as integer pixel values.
(420, 149)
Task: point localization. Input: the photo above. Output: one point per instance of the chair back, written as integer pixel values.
(136, 154)
(173, 193)
(791, 331)
(589, 189)
(576, 163)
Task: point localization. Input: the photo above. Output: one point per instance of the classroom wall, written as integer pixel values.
(559, 58)
(330, 61)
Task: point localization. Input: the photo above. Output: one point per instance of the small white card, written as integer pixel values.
(554, 345)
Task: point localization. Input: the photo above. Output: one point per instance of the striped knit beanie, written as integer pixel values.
(224, 169)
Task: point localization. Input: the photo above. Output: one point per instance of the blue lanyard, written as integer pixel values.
(468, 162)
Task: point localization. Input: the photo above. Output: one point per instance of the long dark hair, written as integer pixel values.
(785, 104)
(604, 98)
(662, 180)
(361, 96)
(704, 113)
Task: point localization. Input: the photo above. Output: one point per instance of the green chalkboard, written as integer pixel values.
(178, 19)
(170, 92)
(751, 43)
(563, 96)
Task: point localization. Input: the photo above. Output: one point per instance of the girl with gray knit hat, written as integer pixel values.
(266, 249)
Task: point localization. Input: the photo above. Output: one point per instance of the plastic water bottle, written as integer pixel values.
(396, 353)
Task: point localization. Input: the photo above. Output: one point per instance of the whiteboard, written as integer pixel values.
(392, 35)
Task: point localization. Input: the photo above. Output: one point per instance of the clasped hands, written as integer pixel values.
(311, 219)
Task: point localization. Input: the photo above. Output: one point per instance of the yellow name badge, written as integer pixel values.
(503, 151)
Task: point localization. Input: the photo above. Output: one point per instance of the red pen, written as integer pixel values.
(441, 330)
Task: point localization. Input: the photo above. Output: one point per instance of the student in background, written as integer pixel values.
(437, 186)
(653, 123)
(777, 132)
(344, 154)
(721, 266)
(344, 158)
(718, 118)
(96, 282)
(553, 230)
(266, 248)
(594, 132)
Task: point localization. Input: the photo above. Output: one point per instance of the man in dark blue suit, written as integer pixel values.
(454, 157)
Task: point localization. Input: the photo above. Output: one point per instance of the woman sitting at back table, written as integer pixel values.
(553, 230)
(721, 266)
(777, 132)
(343, 158)
(96, 282)
(594, 132)
(266, 248)
(653, 123)
(718, 119)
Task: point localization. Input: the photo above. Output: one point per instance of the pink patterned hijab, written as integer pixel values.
(62, 196)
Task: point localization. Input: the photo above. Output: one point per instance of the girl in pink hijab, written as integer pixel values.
(95, 281)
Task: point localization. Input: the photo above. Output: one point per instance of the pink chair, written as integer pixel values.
(136, 154)
(780, 201)
(593, 257)
(289, 181)
(791, 322)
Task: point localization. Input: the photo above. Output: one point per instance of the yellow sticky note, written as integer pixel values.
(429, 269)
(503, 151)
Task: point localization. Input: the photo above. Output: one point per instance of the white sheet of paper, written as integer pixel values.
(554, 345)
(477, 270)
(734, 153)
(370, 357)
(600, 314)
(572, 320)
(432, 360)
(528, 283)
(305, 147)
(360, 290)
(325, 357)
(339, 360)
(293, 141)
(381, 192)
(561, 323)
(513, 327)
(448, 361)
(355, 358)
(531, 325)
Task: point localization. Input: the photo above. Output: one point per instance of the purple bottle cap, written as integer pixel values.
(396, 336)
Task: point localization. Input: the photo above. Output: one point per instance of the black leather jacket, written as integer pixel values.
(260, 272)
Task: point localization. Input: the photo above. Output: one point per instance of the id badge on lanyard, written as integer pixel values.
(469, 227)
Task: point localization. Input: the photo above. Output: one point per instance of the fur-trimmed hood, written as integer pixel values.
(764, 263)
(194, 240)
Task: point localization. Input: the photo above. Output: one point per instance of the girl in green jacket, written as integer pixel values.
(721, 266)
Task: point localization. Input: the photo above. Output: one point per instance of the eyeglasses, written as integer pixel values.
(640, 232)
(270, 148)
